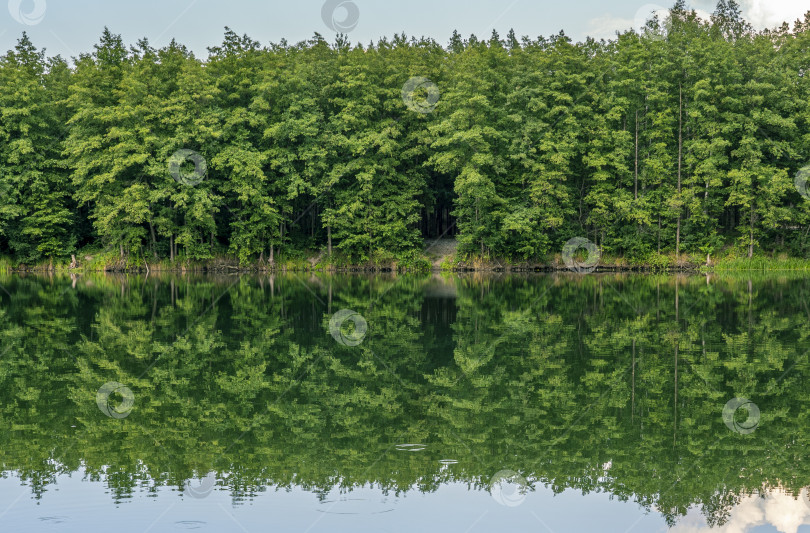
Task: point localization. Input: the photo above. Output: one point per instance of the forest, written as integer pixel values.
(690, 136)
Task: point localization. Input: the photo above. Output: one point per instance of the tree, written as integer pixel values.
(36, 213)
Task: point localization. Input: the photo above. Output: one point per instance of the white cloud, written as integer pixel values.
(761, 13)
(606, 26)
(780, 510)
(772, 13)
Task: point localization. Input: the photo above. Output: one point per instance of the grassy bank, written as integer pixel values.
(293, 262)
(652, 263)
(309, 262)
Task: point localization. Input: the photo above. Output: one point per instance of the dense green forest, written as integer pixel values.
(552, 377)
(685, 138)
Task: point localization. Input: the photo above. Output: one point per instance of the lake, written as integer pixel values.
(315, 403)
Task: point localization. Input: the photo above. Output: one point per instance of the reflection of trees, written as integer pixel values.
(597, 383)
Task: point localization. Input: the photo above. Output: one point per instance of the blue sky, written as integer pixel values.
(68, 27)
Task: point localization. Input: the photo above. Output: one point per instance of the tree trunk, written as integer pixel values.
(635, 183)
(680, 165)
(281, 233)
(751, 234)
(659, 234)
(154, 240)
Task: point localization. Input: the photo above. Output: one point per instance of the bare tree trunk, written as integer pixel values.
(329, 239)
(706, 200)
(659, 234)
(635, 183)
(154, 239)
(281, 234)
(680, 165)
(751, 234)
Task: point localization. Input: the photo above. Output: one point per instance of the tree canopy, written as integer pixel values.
(682, 137)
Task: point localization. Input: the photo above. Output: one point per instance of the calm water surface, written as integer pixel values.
(405, 403)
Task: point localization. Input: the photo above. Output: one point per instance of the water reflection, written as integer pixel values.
(774, 507)
(601, 384)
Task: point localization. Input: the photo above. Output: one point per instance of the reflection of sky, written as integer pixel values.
(81, 506)
(75, 505)
(776, 512)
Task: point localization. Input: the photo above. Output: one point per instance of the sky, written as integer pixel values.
(70, 27)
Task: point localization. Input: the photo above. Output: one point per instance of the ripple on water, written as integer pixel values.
(190, 524)
(447, 462)
(54, 519)
(355, 506)
(411, 447)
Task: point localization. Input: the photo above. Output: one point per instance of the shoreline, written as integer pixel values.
(440, 257)
(738, 265)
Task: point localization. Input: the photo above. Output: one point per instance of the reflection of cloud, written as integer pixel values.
(780, 510)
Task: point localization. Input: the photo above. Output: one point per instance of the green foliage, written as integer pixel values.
(562, 374)
(682, 139)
